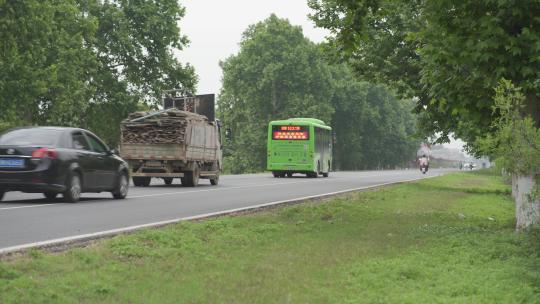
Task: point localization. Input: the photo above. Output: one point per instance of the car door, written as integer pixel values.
(106, 169)
(85, 158)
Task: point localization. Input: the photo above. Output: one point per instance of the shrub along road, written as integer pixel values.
(449, 239)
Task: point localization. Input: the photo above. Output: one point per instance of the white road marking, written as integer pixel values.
(173, 193)
(193, 191)
(112, 232)
(32, 206)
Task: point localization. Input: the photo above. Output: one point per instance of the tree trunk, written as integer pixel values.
(514, 186)
(527, 192)
(527, 206)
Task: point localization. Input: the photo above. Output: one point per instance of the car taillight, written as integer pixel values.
(44, 153)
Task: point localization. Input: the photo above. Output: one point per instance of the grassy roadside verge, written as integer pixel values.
(444, 240)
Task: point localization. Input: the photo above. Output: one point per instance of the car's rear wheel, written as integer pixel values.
(74, 188)
(141, 181)
(122, 186)
(50, 195)
(168, 180)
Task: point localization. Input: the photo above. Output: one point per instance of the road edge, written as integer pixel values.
(62, 244)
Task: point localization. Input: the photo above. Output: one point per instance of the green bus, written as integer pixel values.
(299, 145)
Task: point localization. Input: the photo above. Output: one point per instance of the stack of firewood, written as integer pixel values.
(168, 127)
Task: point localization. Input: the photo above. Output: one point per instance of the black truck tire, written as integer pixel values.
(141, 181)
(191, 178)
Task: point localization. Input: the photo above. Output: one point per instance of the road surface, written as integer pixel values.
(29, 218)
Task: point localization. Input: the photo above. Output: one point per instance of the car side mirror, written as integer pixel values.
(114, 152)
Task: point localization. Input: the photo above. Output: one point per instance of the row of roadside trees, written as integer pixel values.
(278, 74)
(473, 66)
(87, 63)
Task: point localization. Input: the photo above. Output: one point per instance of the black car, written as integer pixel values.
(53, 160)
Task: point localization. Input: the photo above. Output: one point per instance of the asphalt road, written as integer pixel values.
(29, 218)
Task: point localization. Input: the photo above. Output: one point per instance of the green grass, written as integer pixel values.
(444, 240)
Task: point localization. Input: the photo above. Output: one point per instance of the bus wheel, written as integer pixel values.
(312, 174)
(275, 174)
(289, 174)
(325, 174)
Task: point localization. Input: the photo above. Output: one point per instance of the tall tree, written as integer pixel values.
(453, 53)
(465, 49)
(375, 130)
(87, 62)
(277, 74)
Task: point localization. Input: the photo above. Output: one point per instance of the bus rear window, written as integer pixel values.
(290, 132)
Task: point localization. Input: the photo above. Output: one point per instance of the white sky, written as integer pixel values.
(215, 28)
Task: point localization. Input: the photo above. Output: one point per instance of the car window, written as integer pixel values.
(31, 137)
(96, 144)
(79, 141)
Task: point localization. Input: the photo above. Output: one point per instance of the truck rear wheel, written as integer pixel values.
(214, 181)
(191, 178)
(141, 181)
(168, 180)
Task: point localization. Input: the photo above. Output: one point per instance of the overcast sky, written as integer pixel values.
(215, 28)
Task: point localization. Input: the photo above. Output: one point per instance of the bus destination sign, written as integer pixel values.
(290, 133)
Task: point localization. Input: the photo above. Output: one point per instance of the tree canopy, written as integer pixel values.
(87, 63)
(279, 74)
(450, 54)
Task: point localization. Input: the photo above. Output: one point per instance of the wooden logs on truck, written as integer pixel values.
(165, 127)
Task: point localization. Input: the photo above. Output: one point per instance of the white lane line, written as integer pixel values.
(221, 189)
(172, 193)
(195, 191)
(112, 232)
(32, 206)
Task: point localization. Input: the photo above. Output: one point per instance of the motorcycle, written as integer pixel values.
(423, 169)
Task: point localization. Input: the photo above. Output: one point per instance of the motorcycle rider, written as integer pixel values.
(423, 162)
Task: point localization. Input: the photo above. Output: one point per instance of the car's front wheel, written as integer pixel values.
(122, 186)
(74, 188)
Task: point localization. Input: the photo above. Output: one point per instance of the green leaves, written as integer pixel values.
(447, 54)
(64, 61)
(279, 74)
(515, 141)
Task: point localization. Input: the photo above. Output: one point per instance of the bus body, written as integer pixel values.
(299, 145)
